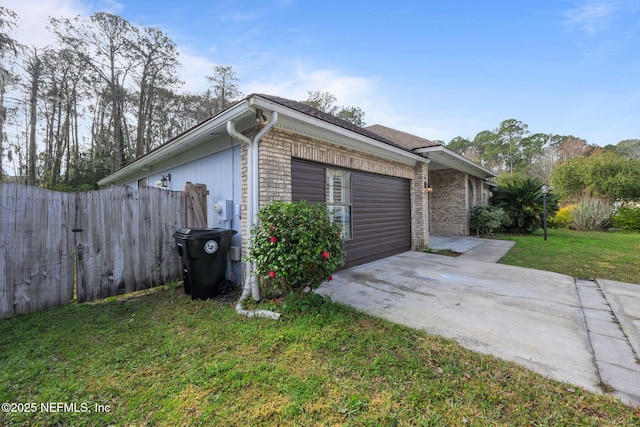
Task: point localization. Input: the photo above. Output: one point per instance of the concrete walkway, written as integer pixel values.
(475, 248)
(582, 332)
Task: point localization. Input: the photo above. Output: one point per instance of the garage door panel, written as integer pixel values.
(380, 210)
(307, 181)
(381, 218)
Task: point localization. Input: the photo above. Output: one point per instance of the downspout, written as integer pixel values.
(253, 200)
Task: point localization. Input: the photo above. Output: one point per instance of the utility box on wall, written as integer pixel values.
(225, 211)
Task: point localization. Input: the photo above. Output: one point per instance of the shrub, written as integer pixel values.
(562, 218)
(522, 201)
(627, 218)
(296, 245)
(591, 213)
(486, 219)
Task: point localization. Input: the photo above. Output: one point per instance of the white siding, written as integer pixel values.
(222, 175)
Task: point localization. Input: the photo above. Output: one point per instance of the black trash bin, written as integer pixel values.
(203, 255)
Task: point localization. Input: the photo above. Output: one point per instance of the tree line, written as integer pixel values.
(110, 92)
(573, 167)
(107, 95)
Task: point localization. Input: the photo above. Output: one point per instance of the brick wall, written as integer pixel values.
(275, 167)
(279, 146)
(444, 211)
(420, 208)
(454, 193)
(477, 188)
(449, 212)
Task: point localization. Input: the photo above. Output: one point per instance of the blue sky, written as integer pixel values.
(438, 69)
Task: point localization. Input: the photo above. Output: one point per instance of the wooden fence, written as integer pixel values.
(55, 247)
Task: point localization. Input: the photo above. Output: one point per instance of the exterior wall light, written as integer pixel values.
(261, 118)
(165, 180)
(428, 188)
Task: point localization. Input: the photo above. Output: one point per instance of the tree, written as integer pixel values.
(537, 158)
(486, 147)
(353, 115)
(225, 87)
(510, 136)
(326, 102)
(629, 148)
(62, 88)
(459, 145)
(34, 68)
(192, 108)
(570, 146)
(605, 175)
(323, 101)
(8, 47)
(157, 55)
(123, 76)
(106, 45)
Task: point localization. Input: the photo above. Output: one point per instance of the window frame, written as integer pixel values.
(346, 206)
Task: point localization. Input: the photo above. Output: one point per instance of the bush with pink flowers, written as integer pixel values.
(296, 245)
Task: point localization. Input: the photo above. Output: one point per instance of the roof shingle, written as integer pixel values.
(406, 140)
(329, 118)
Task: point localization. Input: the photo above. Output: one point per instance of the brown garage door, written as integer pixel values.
(380, 209)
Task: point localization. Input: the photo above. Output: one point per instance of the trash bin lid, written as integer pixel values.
(195, 233)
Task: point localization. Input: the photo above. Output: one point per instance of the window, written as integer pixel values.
(338, 198)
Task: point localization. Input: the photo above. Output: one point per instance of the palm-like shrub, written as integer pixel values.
(521, 199)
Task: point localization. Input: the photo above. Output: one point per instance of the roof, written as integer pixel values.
(330, 118)
(440, 156)
(406, 140)
(298, 117)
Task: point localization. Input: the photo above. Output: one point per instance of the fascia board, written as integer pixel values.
(455, 161)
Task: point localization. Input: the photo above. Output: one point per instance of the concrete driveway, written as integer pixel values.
(583, 332)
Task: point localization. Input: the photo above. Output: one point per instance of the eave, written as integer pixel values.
(200, 139)
(443, 158)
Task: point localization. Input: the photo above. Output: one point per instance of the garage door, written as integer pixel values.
(380, 209)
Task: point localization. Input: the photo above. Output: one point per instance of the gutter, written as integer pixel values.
(253, 200)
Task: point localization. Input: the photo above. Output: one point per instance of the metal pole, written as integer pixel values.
(544, 204)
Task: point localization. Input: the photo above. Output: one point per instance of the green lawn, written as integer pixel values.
(610, 255)
(161, 359)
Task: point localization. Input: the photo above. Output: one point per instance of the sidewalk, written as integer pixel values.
(475, 248)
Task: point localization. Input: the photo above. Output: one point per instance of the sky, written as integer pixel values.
(436, 69)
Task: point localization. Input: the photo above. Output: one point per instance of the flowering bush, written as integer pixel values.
(562, 218)
(296, 245)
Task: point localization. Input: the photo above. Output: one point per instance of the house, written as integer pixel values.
(387, 188)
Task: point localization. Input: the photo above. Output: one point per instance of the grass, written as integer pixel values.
(583, 254)
(445, 252)
(161, 359)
